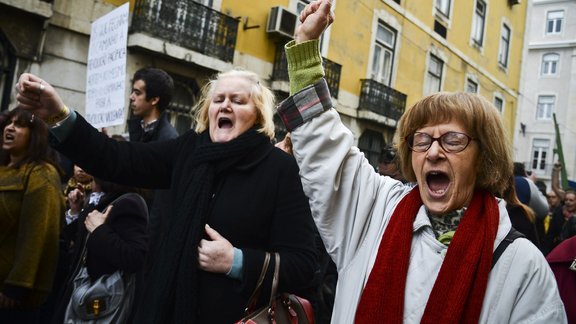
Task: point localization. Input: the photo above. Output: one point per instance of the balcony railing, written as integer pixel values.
(332, 71)
(187, 24)
(381, 99)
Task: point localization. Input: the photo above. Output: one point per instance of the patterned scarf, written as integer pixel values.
(458, 292)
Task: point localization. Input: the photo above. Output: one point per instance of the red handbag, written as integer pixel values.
(282, 308)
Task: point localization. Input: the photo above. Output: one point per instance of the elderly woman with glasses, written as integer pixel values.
(422, 254)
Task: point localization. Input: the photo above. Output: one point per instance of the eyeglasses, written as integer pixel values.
(451, 142)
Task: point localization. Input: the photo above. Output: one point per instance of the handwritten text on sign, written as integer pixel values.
(106, 72)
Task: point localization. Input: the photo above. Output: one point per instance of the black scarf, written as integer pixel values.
(170, 292)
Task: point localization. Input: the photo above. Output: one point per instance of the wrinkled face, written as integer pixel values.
(232, 110)
(138, 103)
(570, 202)
(16, 138)
(446, 180)
(81, 176)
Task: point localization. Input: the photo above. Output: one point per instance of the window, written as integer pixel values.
(371, 143)
(440, 29)
(554, 21)
(540, 148)
(443, 7)
(471, 86)
(434, 75)
(504, 46)
(180, 111)
(550, 63)
(478, 22)
(499, 103)
(383, 54)
(545, 107)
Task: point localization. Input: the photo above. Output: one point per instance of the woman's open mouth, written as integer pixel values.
(437, 182)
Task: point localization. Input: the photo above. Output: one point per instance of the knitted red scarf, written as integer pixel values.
(459, 290)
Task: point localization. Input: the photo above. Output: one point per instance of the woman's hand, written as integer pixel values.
(76, 200)
(215, 255)
(315, 18)
(38, 97)
(96, 218)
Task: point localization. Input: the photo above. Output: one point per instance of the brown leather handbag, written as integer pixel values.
(282, 308)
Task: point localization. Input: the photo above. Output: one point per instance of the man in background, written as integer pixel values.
(151, 94)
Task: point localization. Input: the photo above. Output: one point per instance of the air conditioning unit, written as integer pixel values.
(281, 22)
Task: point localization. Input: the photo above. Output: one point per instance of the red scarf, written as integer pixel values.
(459, 290)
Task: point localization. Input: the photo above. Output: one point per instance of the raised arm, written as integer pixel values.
(340, 183)
(135, 164)
(556, 181)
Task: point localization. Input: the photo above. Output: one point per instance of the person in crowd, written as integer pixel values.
(151, 94)
(528, 193)
(80, 180)
(559, 224)
(234, 196)
(388, 163)
(422, 254)
(285, 144)
(31, 211)
(152, 91)
(117, 223)
(553, 200)
(521, 216)
(562, 260)
(568, 215)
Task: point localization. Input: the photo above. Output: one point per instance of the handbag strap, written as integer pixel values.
(256, 294)
(275, 281)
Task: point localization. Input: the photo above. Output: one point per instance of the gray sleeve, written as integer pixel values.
(538, 202)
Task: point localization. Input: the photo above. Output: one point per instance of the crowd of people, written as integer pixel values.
(448, 229)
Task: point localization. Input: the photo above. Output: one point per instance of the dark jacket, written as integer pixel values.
(521, 223)
(163, 131)
(258, 206)
(118, 244)
(157, 199)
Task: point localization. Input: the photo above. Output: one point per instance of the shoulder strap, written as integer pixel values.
(256, 294)
(510, 237)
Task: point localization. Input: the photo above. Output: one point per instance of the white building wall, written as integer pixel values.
(562, 86)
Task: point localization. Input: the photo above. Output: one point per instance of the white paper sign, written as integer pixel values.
(106, 72)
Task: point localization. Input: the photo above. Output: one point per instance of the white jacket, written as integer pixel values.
(352, 205)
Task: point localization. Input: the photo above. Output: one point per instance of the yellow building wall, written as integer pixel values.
(253, 41)
(351, 38)
(121, 2)
(351, 47)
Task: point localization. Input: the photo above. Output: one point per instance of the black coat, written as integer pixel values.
(163, 131)
(259, 206)
(118, 244)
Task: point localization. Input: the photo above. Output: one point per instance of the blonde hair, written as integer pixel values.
(481, 120)
(263, 101)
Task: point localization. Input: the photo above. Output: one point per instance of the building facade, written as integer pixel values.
(548, 89)
(380, 55)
